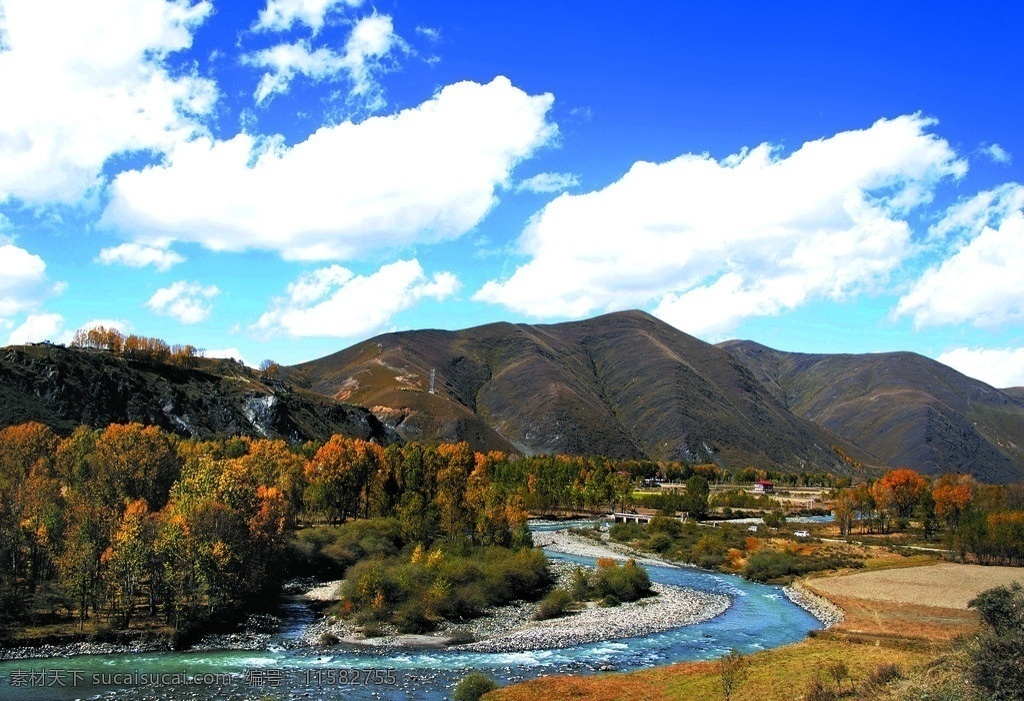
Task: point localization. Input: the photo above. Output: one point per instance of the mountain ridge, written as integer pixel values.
(623, 384)
(904, 408)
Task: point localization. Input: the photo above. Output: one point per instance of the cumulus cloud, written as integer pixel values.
(371, 42)
(999, 367)
(136, 255)
(188, 302)
(544, 183)
(334, 302)
(22, 280)
(710, 243)
(980, 282)
(425, 174)
(280, 15)
(83, 81)
(37, 327)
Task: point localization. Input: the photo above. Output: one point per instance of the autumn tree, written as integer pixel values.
(904, 488)
(455, 517)
(334, 480)
(845, 513)
(136, 462)
(129, 558)
(953, 495)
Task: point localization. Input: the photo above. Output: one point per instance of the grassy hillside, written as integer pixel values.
(624, 385)
(902, 408)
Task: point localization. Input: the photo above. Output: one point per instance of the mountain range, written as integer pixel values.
(625, 385)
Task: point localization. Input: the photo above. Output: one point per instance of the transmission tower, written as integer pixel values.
(432, 381)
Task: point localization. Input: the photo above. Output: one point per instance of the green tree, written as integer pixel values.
(695, 501)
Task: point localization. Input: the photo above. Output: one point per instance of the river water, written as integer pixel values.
(760, 617)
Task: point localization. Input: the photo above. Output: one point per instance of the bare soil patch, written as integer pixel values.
(945, 585)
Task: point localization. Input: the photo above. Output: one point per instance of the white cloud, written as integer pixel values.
(136, 255)
(22, 280)
(997, 153)
(371, 42)
(999, 367)
(543, 183)
(430, 33)
(280, 15)
(82, 81)
(289, 60)
(188, 302)
(119, 324)
(231, 353)
(970, 217)
(425, 174)
(711, 243)
(37, 327)
(981, 282)
(333, 302)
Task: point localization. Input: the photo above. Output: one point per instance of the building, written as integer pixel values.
(764, 487)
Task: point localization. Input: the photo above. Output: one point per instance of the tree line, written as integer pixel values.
(129, 522)
(136, 347)
(979, 522)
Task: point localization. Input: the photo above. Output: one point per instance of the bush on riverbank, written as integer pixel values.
(557, 603)
(610, 583)
(415, 591)
(327, 551)
(782, 566)
(473, 686)
(683, 541)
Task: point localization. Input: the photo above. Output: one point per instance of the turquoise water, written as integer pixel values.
(760, 617)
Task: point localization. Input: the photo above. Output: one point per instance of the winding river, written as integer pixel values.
(760, 617)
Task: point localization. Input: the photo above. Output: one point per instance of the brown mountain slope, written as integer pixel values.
(904, 408)
(68, 387)
(624, 385)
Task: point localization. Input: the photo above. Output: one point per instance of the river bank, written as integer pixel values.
(512, 628)
(504, 629)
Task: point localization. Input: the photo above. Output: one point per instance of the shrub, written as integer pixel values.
(625, 532)
(817, 691)
(628, 582)
(660, 542)
(580, 587)
(473, 686)
(412, 618)
(880, 677)
(997, 655)
(557, 603)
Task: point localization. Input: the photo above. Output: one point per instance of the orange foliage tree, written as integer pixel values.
(904, 488)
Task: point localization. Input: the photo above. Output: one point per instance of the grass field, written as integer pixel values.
(782, 673)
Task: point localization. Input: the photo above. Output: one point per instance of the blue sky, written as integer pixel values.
(283, 178)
